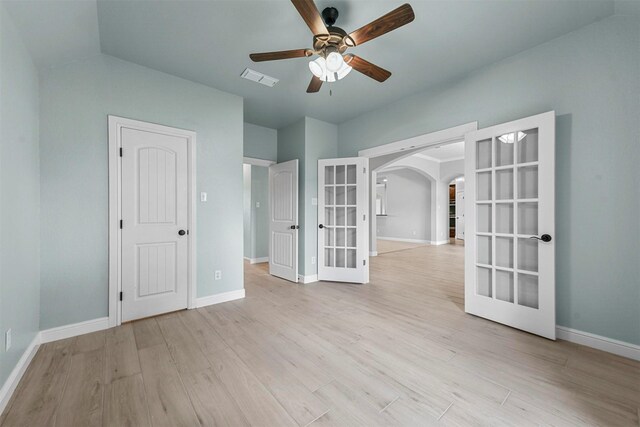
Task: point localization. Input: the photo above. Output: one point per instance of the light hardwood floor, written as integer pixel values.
(398, 351)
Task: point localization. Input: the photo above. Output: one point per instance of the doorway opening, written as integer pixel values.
(255, 174)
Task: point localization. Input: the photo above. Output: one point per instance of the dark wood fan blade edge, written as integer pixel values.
(309, 12)
(367, 68)
(389, 22)
(314, 85)
(283, 54)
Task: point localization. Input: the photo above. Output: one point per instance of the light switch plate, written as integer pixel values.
(7, 340)
(203, 197)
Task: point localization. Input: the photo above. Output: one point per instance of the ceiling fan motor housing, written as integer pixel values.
(330, 16)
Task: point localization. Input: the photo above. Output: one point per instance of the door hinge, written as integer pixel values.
(120, 296)
(120, 151)
(364, 170)
(120, 224)
(364, 262)
(364, 217)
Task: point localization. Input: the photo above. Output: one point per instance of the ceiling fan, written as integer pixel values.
(330, 44)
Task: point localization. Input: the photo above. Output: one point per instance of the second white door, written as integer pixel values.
(283, 220)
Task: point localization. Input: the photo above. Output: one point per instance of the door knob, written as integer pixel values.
(545, 238)
(294, 227)
(182, 232)
(321, 226)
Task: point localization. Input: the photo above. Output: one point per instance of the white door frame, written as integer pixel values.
(409, 146)
(115, 209)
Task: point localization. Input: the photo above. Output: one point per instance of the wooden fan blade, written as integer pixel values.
(283, 54)
(367, 68)
(389, 22)
(314, 85)
(309, 12)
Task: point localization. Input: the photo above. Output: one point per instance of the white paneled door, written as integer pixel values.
(155, 220)
(283, 220)
(510, 227)
(343, 223)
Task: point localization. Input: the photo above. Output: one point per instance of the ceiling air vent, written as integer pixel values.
(255, 76)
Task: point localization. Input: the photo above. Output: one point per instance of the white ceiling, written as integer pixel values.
(208, 41)
(445, 153)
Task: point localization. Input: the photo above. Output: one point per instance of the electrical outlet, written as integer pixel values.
(313, 260)
(218, 275)
(257, 204)
(7, 340)
(415, 233)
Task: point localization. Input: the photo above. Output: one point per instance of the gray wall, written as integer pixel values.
(256, 219)
(246, 209)
(75, 101)
(408, 206)
(19, 197)
(260, 142)
(259, 215)
(591, 78)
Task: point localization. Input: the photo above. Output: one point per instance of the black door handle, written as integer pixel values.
(545, 238)
(321, 226)
(182, 232)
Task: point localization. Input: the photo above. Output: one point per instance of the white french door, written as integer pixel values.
(510, 227)
(283, 220)
(155, 222)
(343, 234)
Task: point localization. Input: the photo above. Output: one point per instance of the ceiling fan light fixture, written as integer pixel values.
(334, 62)
(318, 67)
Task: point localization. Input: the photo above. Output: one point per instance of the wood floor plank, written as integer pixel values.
(183, 346)
(125, 403)
(167, 400)
(147, 333)
(256, 403)
(90, 342)
(82, 400)
(299, 402)
(121, 353)
(39, 393)
(212, 403)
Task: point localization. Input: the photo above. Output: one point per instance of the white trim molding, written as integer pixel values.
(373, 253)
(15, 376)
(257, 162)
(307, 279)
(257, 260)
(115, 124)
(220, 298)
(73, 330)
(610, 345)
(400, 239)
(439, 242)
(421, 141)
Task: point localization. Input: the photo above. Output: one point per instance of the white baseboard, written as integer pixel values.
(610, 345)
(73, 330)
(14, 378)
(257, 260)
(307, 279)
(373, 253)
(399, 239)
(219, 298)
(439, 242)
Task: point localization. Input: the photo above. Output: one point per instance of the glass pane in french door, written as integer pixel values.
(506, 169)
(340, 211)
